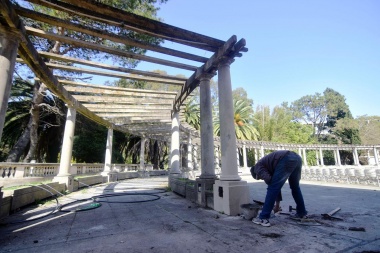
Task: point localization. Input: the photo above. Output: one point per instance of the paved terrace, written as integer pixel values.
(166, 222)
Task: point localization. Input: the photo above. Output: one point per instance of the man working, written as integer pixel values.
(275, 169)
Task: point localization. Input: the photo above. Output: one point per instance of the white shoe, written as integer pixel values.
(262, 222)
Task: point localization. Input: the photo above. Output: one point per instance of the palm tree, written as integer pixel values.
(192, 114)
(243, 118)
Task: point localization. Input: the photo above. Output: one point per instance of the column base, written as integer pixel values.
(230, 195)
(112, 176)
(68, 180)
(204, 192)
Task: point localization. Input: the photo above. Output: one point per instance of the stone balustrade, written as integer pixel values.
(21, 173)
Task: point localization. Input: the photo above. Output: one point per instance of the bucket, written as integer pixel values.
(250, 211)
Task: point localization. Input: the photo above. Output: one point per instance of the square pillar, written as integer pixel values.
(230, 195)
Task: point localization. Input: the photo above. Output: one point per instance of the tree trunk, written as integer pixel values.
(39, 91)
(21, 144)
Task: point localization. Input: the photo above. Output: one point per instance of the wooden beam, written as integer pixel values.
(113, 74)
(123, 100)
(127, 110)
(228, 51)
(133, 22)
(91, 90)
(105, 87)
(127, 106)
(151, 116)
(109, 67)
(124, 120)
(105, 34)
(79, 43)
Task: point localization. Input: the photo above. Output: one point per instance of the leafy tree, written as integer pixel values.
(321, 111)
(146, 8)
(368, 126)
(285, 130)
(278, 126)
(336, 107)
(311, 109)
(263, 123)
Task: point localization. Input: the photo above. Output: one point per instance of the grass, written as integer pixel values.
(17, 187)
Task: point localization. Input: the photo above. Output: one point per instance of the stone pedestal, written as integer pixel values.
(111, 176)
(229, 195)
(68, 180)
(204, 189)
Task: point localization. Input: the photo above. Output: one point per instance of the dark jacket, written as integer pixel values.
(264, 168)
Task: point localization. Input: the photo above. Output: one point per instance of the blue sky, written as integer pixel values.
(296, 48)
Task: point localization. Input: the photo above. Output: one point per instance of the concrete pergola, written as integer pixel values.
(151, 114)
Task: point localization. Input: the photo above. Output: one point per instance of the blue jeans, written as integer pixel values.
(288, 168)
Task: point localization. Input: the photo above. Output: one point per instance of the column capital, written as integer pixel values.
(207, 76)
(226, 61)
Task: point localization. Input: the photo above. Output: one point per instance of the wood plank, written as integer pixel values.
(91, 90)
(122, 100)
(124, 120)
(113, 74)
(106, 35)
(152, 116)
(127, 106)
(79, 43)
(109, 67)
(105, 87)
(133, 112)
(123, 19)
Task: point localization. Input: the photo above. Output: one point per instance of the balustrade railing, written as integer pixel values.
(27, 170)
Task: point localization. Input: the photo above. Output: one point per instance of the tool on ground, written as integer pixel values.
(291, 209)
(330, 216)
(308, 222)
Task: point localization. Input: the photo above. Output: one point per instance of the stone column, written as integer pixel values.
(142, 154)
(229, 192)
(338, 157)
(64, 175)
(304, 157)
(174, 147)
(356, 157)
(256, 155)
(227, 127)
(207, 178)
(245, 156)
(195, 156)
(108, 156)
(376, 156)
(207, 129)
(237, 158)
(9, 42)
(108, 171)
(316, 157)
(217, 161)
(190, 163)
(262, 153)
(321, 156)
